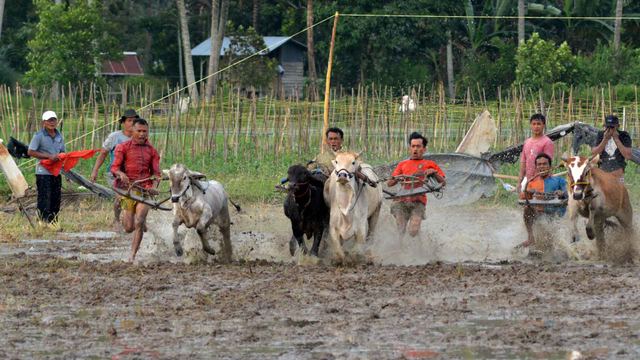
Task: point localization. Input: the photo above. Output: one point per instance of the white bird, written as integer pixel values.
(408, 105)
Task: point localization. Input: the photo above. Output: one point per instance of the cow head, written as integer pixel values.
(181, 178)
(345, 166)
(300, 179)
(579, 173)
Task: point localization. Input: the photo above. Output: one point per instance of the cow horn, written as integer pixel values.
(358, 154)
(565, 156)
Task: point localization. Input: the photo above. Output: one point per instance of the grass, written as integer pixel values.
(83, 216)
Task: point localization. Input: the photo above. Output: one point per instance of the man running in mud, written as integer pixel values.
(136, 160)
(108, 148)
(542, 184)
(411, 209)
(335, 137)
(614, 148)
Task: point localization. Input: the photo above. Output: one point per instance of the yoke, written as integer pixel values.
(418, 187)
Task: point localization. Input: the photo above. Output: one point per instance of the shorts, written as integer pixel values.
(408, 209)
(129, 204)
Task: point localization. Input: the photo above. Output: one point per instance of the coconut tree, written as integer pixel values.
(1, 14)
(616, 36)
(186, 46)
(219, 14)
(313, 76)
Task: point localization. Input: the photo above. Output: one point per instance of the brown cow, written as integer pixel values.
(595, 195)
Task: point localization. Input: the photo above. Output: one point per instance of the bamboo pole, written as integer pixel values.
(327, 92)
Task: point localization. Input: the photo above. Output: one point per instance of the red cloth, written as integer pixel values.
(69, 160)
(410, 167)
(137, 162)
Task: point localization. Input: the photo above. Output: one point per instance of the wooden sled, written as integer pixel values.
(547, 200)
(149, 202)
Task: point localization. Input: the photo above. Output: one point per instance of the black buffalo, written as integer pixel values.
(305, 207)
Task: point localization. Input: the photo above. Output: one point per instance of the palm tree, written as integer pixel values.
(256, 13)
(186, 46)
(520, 21)
(616, 36)
(313, 76)
(1, 13)
(219, 14)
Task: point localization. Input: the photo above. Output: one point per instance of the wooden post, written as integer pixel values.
(327, 92)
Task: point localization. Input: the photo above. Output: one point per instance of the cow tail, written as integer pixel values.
(238, 209)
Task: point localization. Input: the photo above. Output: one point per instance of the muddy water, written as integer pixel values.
(72, 297)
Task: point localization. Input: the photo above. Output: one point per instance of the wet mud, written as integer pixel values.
(456, 291)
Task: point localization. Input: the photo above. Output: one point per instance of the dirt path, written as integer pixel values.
(58, 309)
(73, 297)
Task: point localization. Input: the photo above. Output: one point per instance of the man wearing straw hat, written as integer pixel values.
(109, 147)
(614, 148)
(48, 143)
(335, 138)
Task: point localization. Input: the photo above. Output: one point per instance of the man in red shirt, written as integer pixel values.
(136, 160)
(412, 209)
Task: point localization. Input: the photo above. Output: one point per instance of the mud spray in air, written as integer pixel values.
(450, 234)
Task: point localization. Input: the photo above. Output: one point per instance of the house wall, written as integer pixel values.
(291, 57)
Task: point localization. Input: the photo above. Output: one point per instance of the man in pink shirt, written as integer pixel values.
(537, 144)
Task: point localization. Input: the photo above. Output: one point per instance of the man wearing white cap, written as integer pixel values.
(48, 143)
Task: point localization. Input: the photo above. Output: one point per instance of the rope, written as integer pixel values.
(506, 17)
(195, 83)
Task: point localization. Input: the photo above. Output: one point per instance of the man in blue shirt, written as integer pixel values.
(545, 184)
(48, 143)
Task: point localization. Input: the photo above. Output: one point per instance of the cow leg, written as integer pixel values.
(317, 237)
(338, 254)
(598, 228)
(373, 221)
(225, 230)
(574, 216)
(177, 221)
(297, 239)
(201, 228)
(591, 230)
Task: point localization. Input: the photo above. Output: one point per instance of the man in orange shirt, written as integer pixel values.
(544, 183)
(412, 208)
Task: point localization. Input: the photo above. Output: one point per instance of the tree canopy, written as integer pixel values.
(68, 41)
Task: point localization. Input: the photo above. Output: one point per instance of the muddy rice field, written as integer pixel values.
(459, 290)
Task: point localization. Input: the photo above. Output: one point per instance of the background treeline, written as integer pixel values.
(392, 51)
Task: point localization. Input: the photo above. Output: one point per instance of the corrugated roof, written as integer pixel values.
(128, 66)
(272, 42)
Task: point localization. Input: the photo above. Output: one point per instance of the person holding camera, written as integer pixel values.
(614, 148)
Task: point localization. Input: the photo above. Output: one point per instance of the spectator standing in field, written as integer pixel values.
(537, 144)
(48, 143)
(614, 148)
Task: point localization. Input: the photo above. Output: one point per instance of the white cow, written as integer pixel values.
(198, 204)
(408, 105)
(354, 205)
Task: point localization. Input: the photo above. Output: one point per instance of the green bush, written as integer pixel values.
(541, 63)
(603, 66)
